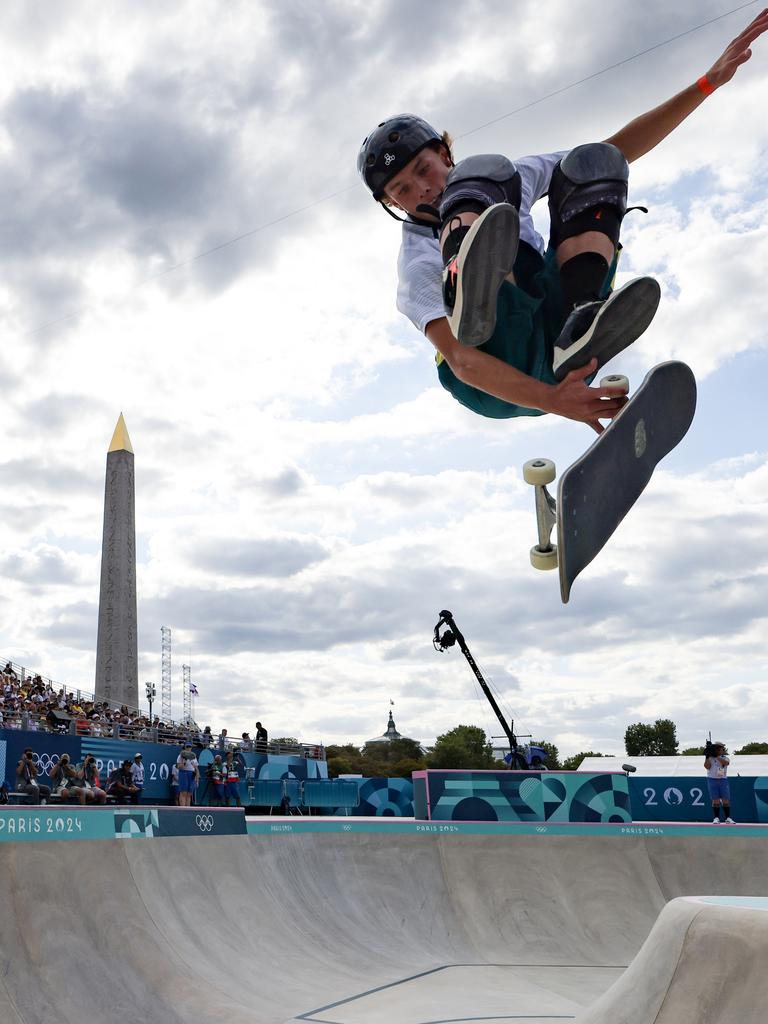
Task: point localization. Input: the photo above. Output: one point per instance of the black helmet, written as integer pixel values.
(389, 147)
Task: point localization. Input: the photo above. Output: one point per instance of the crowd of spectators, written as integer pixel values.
(35, 704)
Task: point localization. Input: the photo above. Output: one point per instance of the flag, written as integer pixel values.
(193, 689)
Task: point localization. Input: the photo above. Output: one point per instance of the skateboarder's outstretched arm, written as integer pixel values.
(641, 135)
(572, 398)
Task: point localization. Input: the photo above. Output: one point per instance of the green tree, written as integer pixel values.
(571, 764)
(553, 754)
(752, 748)
(691, 751)
(657, 740)
(344, 759)
(466, 746)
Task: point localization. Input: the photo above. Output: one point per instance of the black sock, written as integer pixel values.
(727, 810)
(582, 278)
(716, 811)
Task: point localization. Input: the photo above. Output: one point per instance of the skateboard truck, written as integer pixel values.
(539, 473)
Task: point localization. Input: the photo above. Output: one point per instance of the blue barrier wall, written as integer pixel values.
(671, 798)
(521, 796)
(38, 824)
(157, 758)
(378, 797)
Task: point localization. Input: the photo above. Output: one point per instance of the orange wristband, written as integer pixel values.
(704, 85)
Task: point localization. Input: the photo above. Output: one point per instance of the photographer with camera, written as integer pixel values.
(716, 762)
(89, 773)
(66, 779)
(26, 779)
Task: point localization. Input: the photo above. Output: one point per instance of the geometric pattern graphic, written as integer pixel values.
(386, 798)
(526, 796)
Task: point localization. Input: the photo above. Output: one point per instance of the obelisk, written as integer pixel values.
(117, 677)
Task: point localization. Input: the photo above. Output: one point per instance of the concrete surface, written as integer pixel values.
(366, 928)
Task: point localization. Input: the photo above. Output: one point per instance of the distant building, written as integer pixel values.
(390, 735)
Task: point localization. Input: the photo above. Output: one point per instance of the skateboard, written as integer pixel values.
(599, 489)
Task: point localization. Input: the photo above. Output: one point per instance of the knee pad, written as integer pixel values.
(588, 192)
(479, 182)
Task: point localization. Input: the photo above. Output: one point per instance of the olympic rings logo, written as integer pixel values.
(204, 822)
(45, 762)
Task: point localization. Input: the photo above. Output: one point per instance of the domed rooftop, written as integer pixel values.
(390, 735)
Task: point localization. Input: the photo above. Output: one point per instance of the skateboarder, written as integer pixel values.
(520, 331)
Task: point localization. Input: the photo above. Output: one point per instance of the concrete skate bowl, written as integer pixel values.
(361, 928)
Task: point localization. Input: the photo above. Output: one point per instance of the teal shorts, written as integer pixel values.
(529, 318)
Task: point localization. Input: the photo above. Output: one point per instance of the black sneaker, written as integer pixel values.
(600, 330)
(476, 259)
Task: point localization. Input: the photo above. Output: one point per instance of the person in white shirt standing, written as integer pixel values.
(137, 772)
(716, 762)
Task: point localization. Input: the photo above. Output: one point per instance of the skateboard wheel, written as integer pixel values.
(544, 559)
(539, 471)
(616, 380)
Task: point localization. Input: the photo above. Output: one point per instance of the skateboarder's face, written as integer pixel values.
(420, 181)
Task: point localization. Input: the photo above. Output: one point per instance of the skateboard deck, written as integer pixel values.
(598, 490)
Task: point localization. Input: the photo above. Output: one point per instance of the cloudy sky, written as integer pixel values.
(184, 240)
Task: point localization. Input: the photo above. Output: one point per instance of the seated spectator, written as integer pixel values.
(89, 773)
(121, 785)
(189, 776)
(26, 779)
(247, 742)
(207, 737)
(217, 781)
(67, 781)
(223, 742)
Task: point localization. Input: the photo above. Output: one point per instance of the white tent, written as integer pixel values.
(691, 766)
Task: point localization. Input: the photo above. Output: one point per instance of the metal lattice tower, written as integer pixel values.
(165, 692)
(186, 673)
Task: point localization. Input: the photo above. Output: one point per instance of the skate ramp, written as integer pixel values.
(701, 962)
(363, 928)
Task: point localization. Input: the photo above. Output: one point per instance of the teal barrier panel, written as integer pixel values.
(686, 798)
(523, 796)
(265, 793)
(337, 793)
(41, 824)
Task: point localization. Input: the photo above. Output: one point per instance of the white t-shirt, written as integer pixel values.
(717, 770)
(137, 771)
(420, 267)
(186, 764)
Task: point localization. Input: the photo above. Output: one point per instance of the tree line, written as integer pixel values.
(467, 747)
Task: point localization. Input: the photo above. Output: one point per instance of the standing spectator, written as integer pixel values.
(189, 776)
(207, 737)
(217, 780)
(222, 744)
(90, 776)
(66, 779)
(261, 738)
(174, 780)
(137, 772)
(121, 785)
(26, 779)
(232, 777)
(716, 762)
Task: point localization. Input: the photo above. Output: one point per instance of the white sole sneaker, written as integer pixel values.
(486, 256)
(622, 318)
